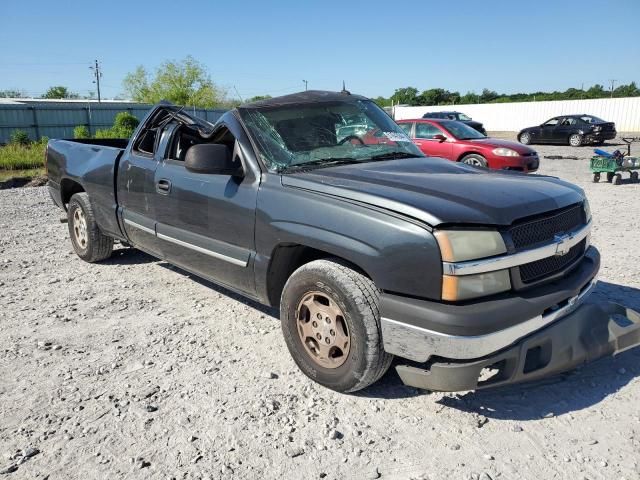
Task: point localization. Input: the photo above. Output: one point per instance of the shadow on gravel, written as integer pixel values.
(272, 312)
(128, 256)
(575, 390)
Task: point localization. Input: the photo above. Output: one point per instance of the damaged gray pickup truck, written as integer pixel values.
(318, 203)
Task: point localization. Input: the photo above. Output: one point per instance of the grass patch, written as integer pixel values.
(22, 157)
(31, 173)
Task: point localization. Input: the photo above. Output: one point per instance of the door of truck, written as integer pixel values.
(206, 222)
(136, 186)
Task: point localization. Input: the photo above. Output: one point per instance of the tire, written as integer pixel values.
(634, 177)
(525, 138)
(327, 286)
(575, 140)
(610, 176)
(596, 177)
(89, 243)
(474, 160)
(617, 179)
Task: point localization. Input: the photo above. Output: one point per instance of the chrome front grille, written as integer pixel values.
(531, 272)
(530, 234)
(543, 230)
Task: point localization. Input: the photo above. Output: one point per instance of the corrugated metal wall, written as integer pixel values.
(625, 112)
(59, 120)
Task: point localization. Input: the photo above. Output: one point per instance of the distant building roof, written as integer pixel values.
(61, 101)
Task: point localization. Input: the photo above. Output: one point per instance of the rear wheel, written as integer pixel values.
(331, 324)
(610, 176)
(575, 140)
(634, 177)
(617, 179)
(596, 177)
(525, 138)
(89, 243)
(475, 160)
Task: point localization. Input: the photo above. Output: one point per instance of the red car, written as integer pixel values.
(456, 141)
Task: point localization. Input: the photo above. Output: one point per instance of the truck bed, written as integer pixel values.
(91, 163)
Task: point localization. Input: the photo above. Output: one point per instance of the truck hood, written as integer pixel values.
(439, 192)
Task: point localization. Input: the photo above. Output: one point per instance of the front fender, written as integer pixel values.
(399, 254)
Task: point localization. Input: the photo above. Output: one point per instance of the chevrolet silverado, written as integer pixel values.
(475, 278)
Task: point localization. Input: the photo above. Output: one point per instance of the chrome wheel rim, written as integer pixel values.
(80, 228)
(524, 138)
(574, 140)
(323, 330)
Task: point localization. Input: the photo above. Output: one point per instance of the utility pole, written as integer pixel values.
(97, 73)
(613, 82)
(306, 83)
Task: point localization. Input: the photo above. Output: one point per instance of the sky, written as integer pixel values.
(269, 47)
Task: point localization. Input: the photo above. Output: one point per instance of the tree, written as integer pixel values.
(382, 102)
(597, 91)
(488, 95)
(468, 98)
(439, 96)
(405, 96)
(184, 83)
(257, 98)
(123, 127)
(630, 90)
(59, 92)
(11, 93)
(81, 131)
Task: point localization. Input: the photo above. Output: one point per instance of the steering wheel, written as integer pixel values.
(350, 137)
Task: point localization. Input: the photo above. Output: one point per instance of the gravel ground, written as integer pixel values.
(134, 369)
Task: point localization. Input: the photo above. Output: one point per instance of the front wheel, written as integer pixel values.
(575, 140)
(474, 160)
(89, 243)
(331, 324)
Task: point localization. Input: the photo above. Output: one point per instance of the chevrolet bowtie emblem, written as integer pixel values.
(562, 244)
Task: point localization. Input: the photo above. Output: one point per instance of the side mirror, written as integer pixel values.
(212, 159)
(441, 138)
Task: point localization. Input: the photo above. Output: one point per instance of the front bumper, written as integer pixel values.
(590, 332)
(526, 164)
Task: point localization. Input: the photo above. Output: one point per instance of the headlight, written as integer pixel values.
(587, 210)
(505, 152)
(464, 287)
(461, 245)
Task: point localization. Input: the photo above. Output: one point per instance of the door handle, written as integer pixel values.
(163, 186)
